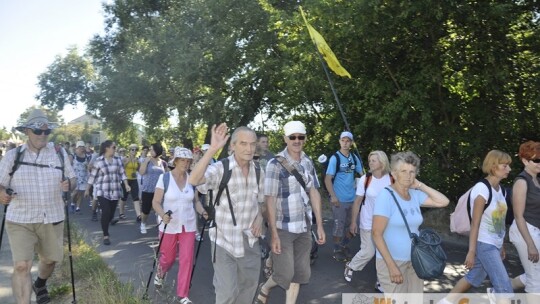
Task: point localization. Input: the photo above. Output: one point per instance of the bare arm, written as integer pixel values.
(477, 211)
(357, 204)
(330, 188)
(315, 197)
(519, 195)
(377, 232)
(218, 140)
(271, 211)
(435, 198)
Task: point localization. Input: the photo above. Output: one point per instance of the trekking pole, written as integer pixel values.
(197, 253)
(3, 224)
(66, 203)
(145, 295)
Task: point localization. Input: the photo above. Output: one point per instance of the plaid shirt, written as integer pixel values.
(39, 194)
(292, 202)
(107, 178)
(245, 195)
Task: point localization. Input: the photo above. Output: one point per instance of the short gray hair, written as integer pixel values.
(407, 157)
(234, 136)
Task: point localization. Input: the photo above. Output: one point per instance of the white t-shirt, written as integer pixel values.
(376, 185)
(493, 222)
(180, 202)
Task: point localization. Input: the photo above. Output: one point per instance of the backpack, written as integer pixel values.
(356, 159)
(460, 219)
(17, 163)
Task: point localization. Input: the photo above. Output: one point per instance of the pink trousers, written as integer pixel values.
(183, 245)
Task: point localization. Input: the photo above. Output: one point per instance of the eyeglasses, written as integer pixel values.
(536, 160)
(294, 137)
(132, 150)
(40, 131)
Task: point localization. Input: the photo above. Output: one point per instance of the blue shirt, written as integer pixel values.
(396, 235)
(344, 182)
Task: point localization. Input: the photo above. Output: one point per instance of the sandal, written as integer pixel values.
(262, 295)
(42, 294)
(348, 273)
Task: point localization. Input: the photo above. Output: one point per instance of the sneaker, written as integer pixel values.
(378, 287)
(143, 228)
(122, 216)
(185, 300)
(94, 217)
(339, 255)
(106, 242)
(158, 282)
(491, 295)
(348, 273)
(198, 237)
(114, 221)
(42, 294)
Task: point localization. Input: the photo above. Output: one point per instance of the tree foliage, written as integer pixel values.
(449, 80)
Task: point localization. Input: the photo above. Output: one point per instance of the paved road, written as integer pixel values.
(130, 255)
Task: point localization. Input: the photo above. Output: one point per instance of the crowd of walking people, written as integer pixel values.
(254, 195)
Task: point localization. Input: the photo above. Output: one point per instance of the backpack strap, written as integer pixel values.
(488, 185)
(227, 172)
(166, 178)
(292, 170)
(17, 161)
(369, 175)
(338, 164)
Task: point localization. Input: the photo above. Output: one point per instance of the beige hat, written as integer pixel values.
(36, 120)
(294, 127)
(80, 143)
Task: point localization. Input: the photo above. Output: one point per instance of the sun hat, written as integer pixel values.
(205, 147)
(180, 152)
(36, 120)
(80, 143)
(346, 134)
(294, 127)
(133, 146)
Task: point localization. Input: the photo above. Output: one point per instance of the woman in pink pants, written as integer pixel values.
(179, 237)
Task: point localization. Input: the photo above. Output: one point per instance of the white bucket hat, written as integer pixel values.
(36, 120)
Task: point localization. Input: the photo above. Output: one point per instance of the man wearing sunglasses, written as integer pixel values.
(291, 193)
(34, 221)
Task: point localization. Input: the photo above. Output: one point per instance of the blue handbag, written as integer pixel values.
(427, 255)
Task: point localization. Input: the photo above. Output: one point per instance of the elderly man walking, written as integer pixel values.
(32, 179)
(291, 195)
(238, 217)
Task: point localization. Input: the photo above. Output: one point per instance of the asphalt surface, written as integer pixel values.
(130, 256)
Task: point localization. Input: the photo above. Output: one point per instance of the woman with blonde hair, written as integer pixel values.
(488, 228)
(367, 189)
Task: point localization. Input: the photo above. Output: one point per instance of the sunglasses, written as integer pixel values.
(294, 137)
(536, 160)
(40, 131)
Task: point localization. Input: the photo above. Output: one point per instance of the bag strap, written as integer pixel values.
(292, 170)
(488, 185)
(400, 211)
(369, 175)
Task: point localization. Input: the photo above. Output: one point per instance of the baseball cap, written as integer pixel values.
(294, 127)
(346, 134)
(80, 143)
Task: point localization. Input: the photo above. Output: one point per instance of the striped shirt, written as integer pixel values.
(292, 202)
(39, 193)
(107, 177)
(245, 195)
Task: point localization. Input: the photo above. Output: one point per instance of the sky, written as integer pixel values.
(32, 34)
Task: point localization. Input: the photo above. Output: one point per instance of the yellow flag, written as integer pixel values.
(325, 50)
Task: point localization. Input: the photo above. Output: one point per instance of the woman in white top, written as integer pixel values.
(179, 237)
(379, 169)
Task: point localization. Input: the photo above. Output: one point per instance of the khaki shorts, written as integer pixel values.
(45, 239)
(292, 265)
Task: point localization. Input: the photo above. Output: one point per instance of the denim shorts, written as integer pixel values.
(488, 262)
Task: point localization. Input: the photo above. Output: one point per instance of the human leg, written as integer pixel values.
(225, 276)
(134, 184)
(108, 208)
(146, 207)
(22, 240)
(249, 267)
(186, 241)
(366, 253)
(337, 232)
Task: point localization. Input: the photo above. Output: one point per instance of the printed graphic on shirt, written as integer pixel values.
(498, 219)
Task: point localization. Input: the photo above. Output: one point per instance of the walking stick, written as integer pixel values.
(66, 203)
(3, 224)
(197, 254)
(145, 296)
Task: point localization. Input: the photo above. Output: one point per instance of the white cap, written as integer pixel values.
(80, 143)
(205, 147)
(322, 158)
(182, 153)
(346, 134)
(294, 127)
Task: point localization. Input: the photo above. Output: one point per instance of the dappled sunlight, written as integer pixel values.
(452, 273)
(107, 254)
